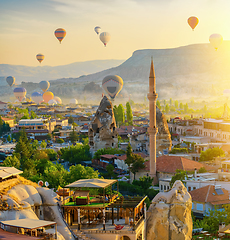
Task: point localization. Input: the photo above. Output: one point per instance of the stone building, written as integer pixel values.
(102, 130)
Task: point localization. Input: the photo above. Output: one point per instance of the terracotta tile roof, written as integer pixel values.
(6, 119)
(208, 194)
(169, 164)
(2, 102)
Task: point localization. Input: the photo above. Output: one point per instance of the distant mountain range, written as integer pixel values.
(190, 71)
(39, 73)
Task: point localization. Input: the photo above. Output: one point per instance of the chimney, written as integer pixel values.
(195, 174)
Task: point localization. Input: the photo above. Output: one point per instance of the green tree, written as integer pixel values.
(51, 154)
(138, 164)
(180, 175)
(48, 136)
(70, 120)
(60, 140)
(158, 104)
(32, 115)
(171, 101)
(12, 161)
(211, 153)
(176, 104)
(110, 151)
(166, 108)
(76, 154)
(121, 114)
(73, 136)
(129, 114)
(9, 138)
(80, 172)
(115, 112)
(129, 152)
(164, 102)
(186, 108)
(43, 144)
(109, 169)
(181, 106)
(144, 182)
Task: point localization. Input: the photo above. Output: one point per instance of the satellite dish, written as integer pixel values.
(46, 184)
(40, 183)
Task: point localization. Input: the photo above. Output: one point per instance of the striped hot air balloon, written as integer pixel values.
(105, 37)
(20, 93)
(37, 97)
(60, 34)
(112, 84)
(40, 57)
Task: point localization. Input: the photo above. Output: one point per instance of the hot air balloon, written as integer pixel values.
(47, 96)
(44, 85)
(105, 37)
(73, 101)
(20, 93)
(52, 102)
(97, 29)
(37, 97)
(10, 80)
(60, 34)
(193, 21)
(112, 84)
(58, 100)
(40, 57)
(216, 39)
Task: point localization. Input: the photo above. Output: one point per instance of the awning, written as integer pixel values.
(9, 171)
(92, 183)
(27, 223)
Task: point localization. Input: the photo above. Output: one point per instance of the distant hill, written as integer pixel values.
(190, 71)
(39, 73)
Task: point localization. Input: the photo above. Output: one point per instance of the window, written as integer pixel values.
(194, 188)
(164, 187)
(199, 207)
(161, 187)
(189, 189)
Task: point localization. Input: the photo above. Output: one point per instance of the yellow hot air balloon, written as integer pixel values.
(47, 96)
(112, 84)
(40, 57)
(215, 40)
(105, 37)
(60, 34)
(193, 21)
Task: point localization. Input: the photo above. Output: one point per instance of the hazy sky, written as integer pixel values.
(27, 27)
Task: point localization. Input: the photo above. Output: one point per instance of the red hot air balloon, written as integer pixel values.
(193, 21)
(60, 34)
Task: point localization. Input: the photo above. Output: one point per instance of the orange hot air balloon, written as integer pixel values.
(40, 57)
(47, 96)
(60, 34)
(193, 21)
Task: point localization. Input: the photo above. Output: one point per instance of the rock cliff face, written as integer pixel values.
(169, 215)
(102, 130)
(23, 199)
(163, 136)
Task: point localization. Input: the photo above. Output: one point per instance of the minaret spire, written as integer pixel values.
(152, 130)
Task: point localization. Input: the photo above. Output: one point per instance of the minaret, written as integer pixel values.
(152, 130)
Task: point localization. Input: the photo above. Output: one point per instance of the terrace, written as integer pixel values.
(103, 214)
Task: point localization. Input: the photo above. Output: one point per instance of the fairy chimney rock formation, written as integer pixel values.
(169, 215)
(102, 130)
(163, 136)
